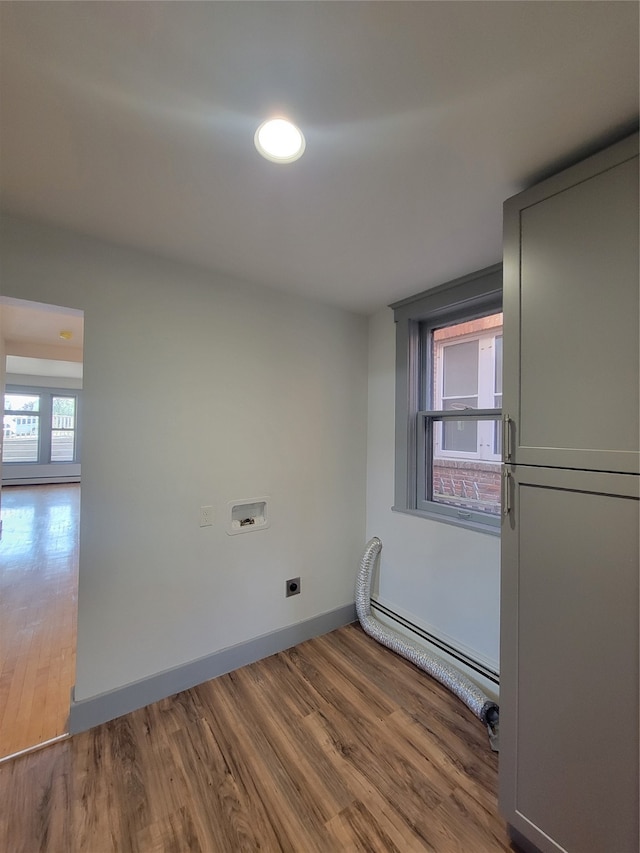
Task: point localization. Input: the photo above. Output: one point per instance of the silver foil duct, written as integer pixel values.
(473, 697)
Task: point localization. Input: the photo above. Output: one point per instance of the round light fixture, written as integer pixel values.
(279, 140)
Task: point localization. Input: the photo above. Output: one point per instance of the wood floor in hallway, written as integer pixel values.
(334, 745)
(38, 607)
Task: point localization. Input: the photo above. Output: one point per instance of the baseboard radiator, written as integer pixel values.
(434, 665)
(438, 643)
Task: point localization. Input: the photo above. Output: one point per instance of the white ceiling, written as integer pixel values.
(134, 122)
(29, 328)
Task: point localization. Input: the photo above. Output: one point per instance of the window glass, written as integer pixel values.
(462, 468)
(497, 398)
(460, 436)
(21, 428)
(63, 423)
(460, 370)
(498, 366)
(470, 486)
(22, 402)
(40, 426)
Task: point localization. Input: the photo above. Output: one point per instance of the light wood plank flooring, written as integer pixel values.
(38, 606)
(334, 745)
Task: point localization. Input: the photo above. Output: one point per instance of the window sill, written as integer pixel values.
(466, 523)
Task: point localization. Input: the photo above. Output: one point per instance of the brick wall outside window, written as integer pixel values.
(474, 485)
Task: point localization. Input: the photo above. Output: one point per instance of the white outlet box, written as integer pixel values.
(206, 516)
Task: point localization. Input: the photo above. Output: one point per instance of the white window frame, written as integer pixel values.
(46, 428)
(474, 295)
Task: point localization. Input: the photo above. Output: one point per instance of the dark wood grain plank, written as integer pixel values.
(335, 745)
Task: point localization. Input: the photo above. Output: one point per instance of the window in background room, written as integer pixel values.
(63, 426)
(39, 426)
(21, 428)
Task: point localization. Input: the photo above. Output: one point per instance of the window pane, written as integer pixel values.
(62, 445)
(467, 483)
(63, 413)
(460, 436)
(63, 424)
(498, 365)
(21, 403)
(497, 432)
(460, 403)
(460, 369)
(20, 443)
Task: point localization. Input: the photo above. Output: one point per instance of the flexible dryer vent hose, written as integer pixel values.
(483, 707)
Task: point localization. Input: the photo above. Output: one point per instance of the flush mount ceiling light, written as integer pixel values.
(279, 140)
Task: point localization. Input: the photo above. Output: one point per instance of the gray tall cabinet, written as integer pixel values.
(569, 719)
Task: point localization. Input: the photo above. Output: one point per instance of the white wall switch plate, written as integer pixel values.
(206, 516)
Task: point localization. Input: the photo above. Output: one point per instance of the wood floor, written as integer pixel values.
(38, 606)
(334, 745)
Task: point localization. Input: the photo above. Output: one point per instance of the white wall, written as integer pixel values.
(443, 578)
(235, 391)
(37, 381)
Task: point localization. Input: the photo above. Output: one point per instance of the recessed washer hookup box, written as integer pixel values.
(247, 515)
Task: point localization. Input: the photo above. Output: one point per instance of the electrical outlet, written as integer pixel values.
(206, 516)
(292, 587)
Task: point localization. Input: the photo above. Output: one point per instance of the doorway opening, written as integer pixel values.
(41, 358)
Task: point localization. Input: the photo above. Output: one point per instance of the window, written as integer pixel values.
(21, 428)
(63, 428)
(463, 375)
(448, 401)
(39, 426)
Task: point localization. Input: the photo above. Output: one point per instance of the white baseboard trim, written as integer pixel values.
(87, 713)
(41, 481)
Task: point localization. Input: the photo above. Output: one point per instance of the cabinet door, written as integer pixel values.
(571, 303)
(569, 660)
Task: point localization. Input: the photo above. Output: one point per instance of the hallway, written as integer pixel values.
(38, 607)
